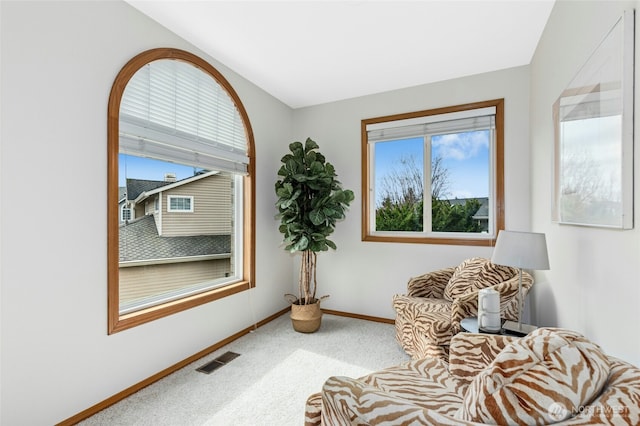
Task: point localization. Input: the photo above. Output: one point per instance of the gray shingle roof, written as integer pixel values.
(139, 240)
(136, 187)
(483, 210)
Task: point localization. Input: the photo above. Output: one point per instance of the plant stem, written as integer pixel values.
(303, 267)
(314, 259)
(308, 278)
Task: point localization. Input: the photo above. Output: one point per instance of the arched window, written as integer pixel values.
(180, 188)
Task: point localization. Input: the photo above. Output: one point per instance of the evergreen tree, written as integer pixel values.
(402, 204)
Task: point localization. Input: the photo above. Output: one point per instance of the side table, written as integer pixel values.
(470, 325)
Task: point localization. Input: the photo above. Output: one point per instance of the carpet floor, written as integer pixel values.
(267, 384)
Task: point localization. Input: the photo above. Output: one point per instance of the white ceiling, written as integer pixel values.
(311, 52)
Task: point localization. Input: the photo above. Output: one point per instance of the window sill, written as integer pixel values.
(124, 322)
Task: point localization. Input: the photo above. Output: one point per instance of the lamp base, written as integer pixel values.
(517, 329)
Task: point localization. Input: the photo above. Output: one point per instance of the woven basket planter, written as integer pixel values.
(306, 318)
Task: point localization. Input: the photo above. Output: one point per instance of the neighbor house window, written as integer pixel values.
(178, 136)
(180, 204)
(434, 176)
(125, 214)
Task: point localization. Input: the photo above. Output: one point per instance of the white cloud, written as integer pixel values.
(460, 146)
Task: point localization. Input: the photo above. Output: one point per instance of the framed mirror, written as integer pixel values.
(593, 118)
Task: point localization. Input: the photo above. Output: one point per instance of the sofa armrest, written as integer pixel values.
(431, 284)
(462, 307)
(466, 305)
(508, 290)
(348, 401)
(470, 353)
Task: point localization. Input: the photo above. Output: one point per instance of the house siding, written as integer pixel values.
(212, 206)
(138, 211)
(143, 281)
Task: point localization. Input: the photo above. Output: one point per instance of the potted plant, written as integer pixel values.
(310, 202)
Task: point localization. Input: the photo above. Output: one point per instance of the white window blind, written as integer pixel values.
(454, 122)
(173, 111)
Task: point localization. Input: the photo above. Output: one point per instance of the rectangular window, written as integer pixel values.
(180, 204)
(456, 152)
(125, 214)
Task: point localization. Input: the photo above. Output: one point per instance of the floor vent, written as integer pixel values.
(223, 359)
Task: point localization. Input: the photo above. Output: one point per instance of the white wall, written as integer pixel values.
(593, 285)
(59, 60)
(362, 277)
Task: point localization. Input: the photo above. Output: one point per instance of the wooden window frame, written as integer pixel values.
(116, 321)
(368, 203)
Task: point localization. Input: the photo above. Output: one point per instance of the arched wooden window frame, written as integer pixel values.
(117, 322)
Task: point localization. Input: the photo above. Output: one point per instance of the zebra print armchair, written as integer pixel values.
(551, 376)
(430, 313)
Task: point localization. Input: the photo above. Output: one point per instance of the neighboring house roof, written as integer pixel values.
(481, 213)
(135, 187)
(139, 240)
(141, 189)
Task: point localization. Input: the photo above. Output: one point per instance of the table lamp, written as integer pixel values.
(522, 250)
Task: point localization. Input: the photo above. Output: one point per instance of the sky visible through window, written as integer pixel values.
(134, 167)
(464, 155)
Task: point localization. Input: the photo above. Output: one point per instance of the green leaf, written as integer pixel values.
(319, 201)
(291, 166)
(286, 203)
(349, 195)
(316, 216)
(310, 157)
(286, 158)
(296, 148)
(343, 197)
(301, 244)
(330, 244)
(310, 144)
(283, 171)
(330, 212)
(316, 168)
(284, 191)
(330, 169)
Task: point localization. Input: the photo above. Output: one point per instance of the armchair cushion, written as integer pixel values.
(539, 379)
(431, 284)
(471, 353)
(475, 274)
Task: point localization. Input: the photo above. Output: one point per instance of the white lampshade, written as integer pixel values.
(527, 250)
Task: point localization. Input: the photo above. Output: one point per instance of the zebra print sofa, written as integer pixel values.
(430, 313)
(551, 376)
